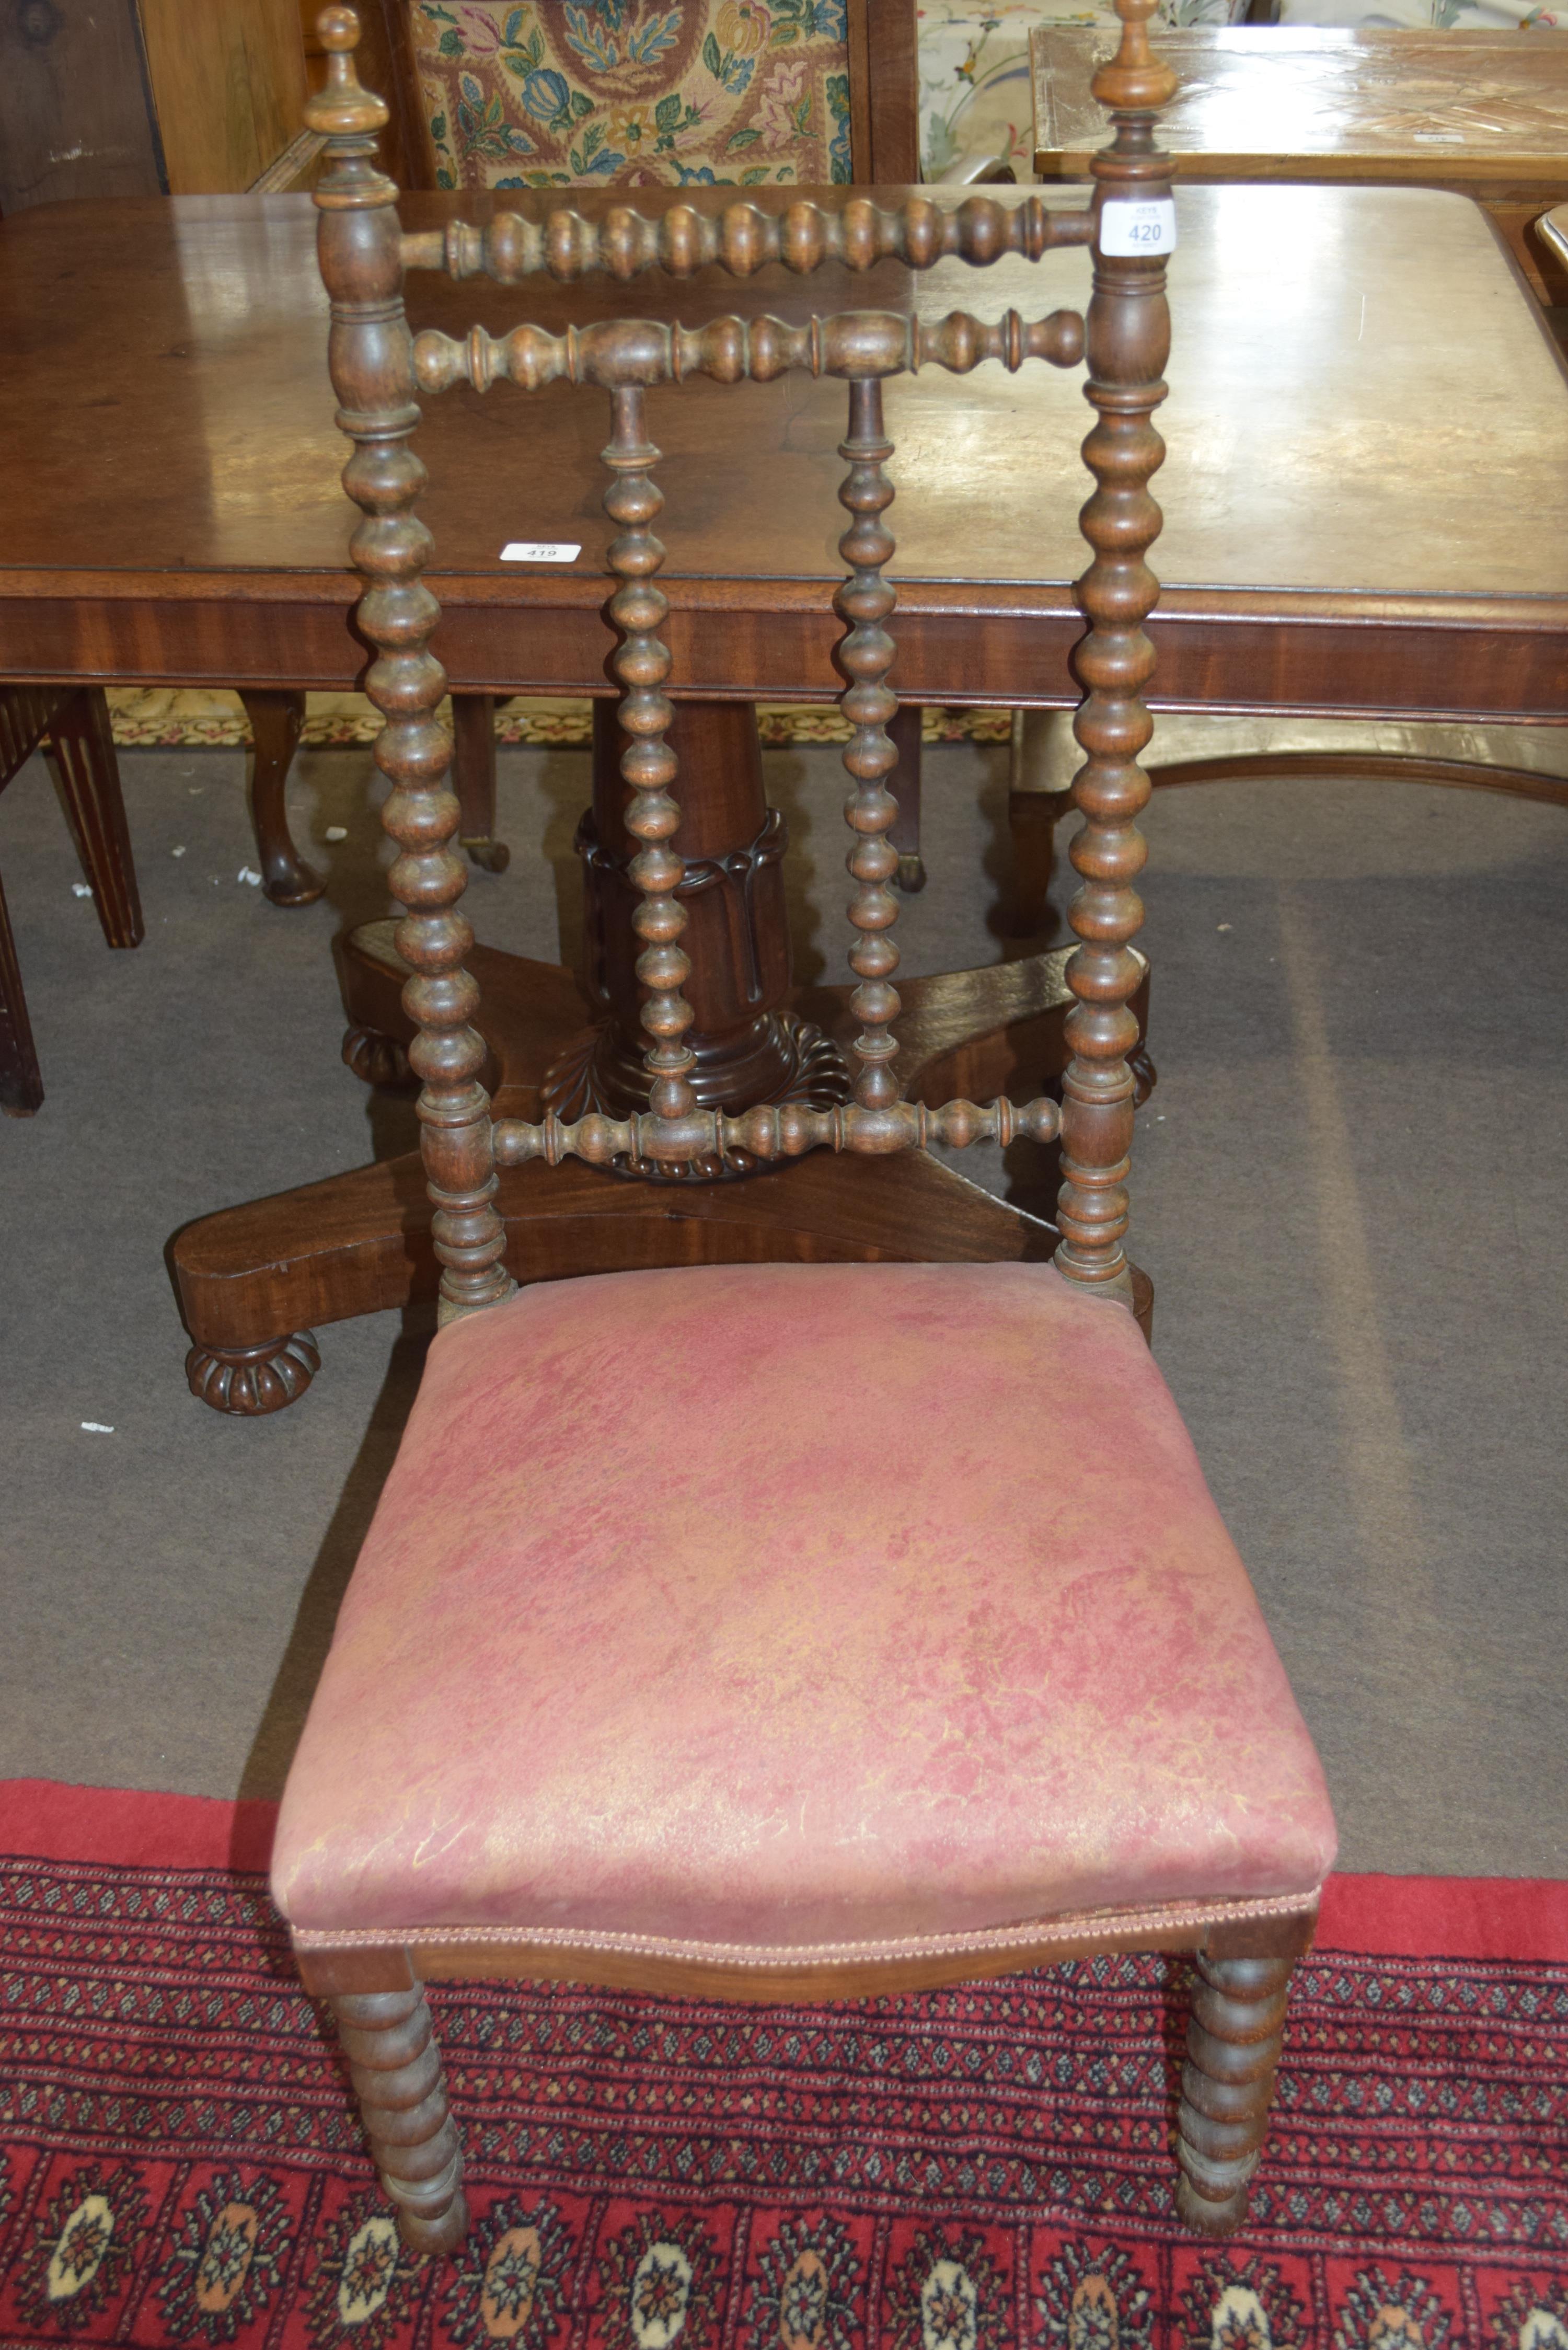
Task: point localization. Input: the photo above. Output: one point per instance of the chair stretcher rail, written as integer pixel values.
(857, 344)
(775, 1132)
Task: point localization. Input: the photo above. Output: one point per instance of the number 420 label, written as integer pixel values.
(1133, 228)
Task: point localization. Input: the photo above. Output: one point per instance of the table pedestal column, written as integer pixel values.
(748, 1047)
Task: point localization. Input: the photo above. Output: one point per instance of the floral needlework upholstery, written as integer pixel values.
(693, 93)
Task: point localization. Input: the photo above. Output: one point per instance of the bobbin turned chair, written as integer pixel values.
(707, 1638)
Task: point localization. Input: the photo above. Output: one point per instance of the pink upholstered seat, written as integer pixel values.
(786, 1606)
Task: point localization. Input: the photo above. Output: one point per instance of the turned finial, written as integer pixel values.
(1134, 78)
(343, 108)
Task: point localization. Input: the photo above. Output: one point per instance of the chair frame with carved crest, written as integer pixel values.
(379, 369)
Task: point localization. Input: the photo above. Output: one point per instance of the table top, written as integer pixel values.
(1339, 443)
(1306, 100)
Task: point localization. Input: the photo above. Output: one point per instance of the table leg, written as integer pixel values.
(87, 774)
(473, 778)
(275, 720)
(20, 1080)
(904, 782)
(253, 1281)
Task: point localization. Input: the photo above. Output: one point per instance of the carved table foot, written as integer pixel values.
(252, 1380)
(377, 1059)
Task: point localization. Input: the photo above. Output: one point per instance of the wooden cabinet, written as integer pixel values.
(124, 97)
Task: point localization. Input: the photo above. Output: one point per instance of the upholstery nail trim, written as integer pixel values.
(1039, 1935)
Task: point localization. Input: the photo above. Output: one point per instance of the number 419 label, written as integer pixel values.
(1129, 228)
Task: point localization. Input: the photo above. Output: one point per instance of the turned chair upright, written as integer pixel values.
(379, 372)
(784, 1631)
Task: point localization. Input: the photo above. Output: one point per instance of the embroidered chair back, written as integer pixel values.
(378, 370)
(689, 93)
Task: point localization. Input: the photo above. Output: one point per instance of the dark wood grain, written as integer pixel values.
(218, 556)
(75, 112)
(893, 84)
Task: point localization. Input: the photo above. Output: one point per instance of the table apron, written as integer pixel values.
(1257, 662)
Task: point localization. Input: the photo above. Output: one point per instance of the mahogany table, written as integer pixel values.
(1358, 523)
(1484, 113)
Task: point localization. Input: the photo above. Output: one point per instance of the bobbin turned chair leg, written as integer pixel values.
(396, 2069)
(1228, 2086)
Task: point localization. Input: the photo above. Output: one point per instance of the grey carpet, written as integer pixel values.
(1349, 1191)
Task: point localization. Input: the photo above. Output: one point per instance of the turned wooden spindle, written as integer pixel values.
(775, 1130)
(863, 602)
(643, 663)
(743, 238)
(851, 343)
(1128, 338)
(371, 357)
(1228, 2086)
(396, 2069)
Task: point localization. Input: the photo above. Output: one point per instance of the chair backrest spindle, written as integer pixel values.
(377, 368)
(648, 765)
(863, 603)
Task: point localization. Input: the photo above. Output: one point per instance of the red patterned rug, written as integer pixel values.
(959, 2171)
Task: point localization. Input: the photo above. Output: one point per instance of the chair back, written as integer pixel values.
(378, 370)
(687, 93)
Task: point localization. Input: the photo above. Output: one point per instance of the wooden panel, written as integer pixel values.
(1299, 102)
(893, 93)
(1278, 656)
(229, 83)
(74, 116)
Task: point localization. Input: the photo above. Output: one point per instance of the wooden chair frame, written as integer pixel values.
(1245, 1950)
